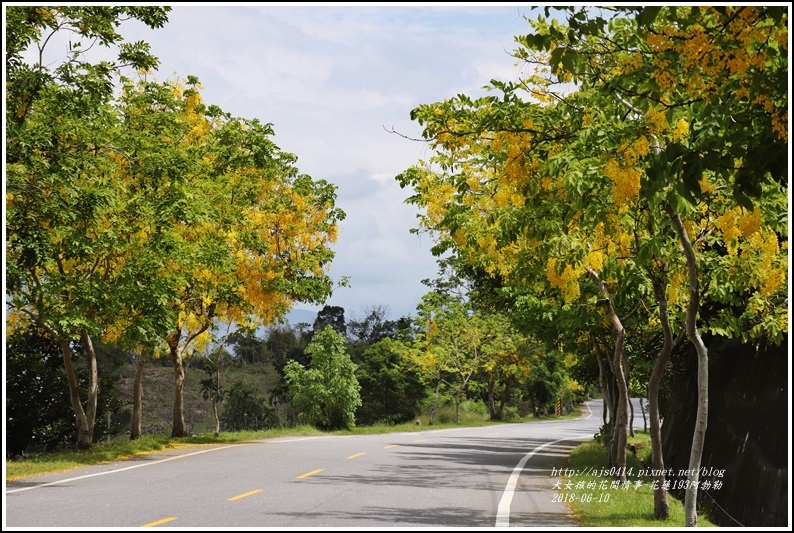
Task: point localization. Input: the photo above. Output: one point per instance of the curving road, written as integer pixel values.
(467, 477)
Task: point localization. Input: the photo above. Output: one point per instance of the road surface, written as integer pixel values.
(495, 476)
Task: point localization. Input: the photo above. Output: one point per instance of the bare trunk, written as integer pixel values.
(178, 428)
(625, 363)
(701, 419)
(605, 410)
(631, 417)
(435, 401)
(491, 402)
(84, 439)
(620, 429)
(661, 507)
(621, 422)
(644, 417)
(602, 381)
(461, 391)
(505, 396)
(93, 383)
(137, 397)
(215, 414)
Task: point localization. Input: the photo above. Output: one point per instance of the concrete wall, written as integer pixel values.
(747, 433)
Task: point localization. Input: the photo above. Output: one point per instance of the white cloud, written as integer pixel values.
(332, 80)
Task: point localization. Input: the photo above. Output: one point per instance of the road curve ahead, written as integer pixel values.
(497, 476)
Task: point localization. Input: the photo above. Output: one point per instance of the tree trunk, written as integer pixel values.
(84, 437)
(137, 397)
(701, 419)
(491, 402)
(626, 376)
(93, 383)
(661, 507)
(609, 385)
(621, 422)
(620, 429)
(215, 414)
(505, 396)
(178, 428)
(604, 411)
(435, 402)
(644, 417)
(631, 417)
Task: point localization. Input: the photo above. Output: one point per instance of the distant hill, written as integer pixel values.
(293, 318)
(296, 316)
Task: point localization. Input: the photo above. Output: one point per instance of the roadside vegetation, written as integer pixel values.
(597, 503)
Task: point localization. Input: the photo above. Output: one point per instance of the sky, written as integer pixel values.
(337, 81)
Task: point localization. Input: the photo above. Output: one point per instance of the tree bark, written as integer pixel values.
(178, 428)
(644, 417)
(435, 401)
(620, 429)
(661, 506)
(491, 402)
(137, 397)
(602, 380)
(701, 419)
(508, 385)
(631, 417)
(93, 383)
(215, 413)
(84, 437)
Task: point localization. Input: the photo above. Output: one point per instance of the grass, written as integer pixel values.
(597, 504)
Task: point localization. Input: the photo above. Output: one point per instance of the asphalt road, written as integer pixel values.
(495, 476)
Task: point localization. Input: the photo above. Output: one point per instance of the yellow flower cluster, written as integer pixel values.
(738, 223)
(706, 187)
(681, 129)
(657, 121)
(567, 282)
(678, 293)
(595, 260)
(729, 226)
(707, 61)
(632, 62)
(626, 181)
(772, 273)
(750, 222)
(663, 74)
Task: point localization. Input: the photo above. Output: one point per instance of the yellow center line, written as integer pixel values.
(421, 440)
(357, 455)
(243, 495)
(307, 474)
(391, 446)
(157, 523)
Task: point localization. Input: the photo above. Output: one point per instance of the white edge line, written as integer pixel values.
(119, 469)
(503, 511)
(154, 463)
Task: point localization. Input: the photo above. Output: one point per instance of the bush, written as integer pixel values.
(510, 413)
(327, 394)
(244, 410)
